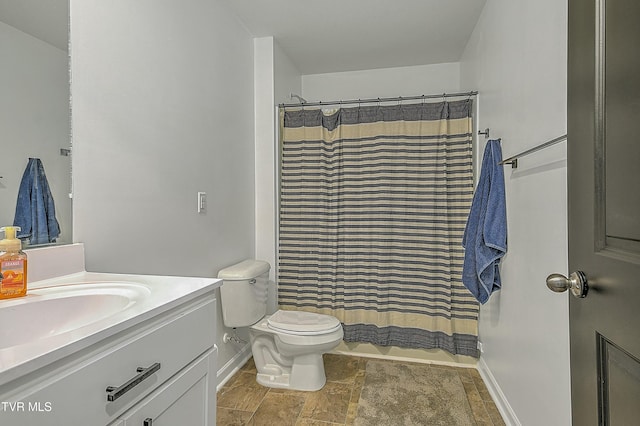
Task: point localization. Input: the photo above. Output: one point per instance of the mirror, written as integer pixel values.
(34, 106)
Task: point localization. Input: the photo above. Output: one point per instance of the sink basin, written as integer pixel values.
(51, 311)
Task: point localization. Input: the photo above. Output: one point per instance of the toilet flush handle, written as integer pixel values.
(252, 281)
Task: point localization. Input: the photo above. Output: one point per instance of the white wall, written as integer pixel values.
(288, 79)
(34, 120)
(265, 130)
(380, 83)
(162, 108)
(275, 78)
(517, 59)
(263, 63)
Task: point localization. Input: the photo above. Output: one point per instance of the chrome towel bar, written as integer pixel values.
(513, 160)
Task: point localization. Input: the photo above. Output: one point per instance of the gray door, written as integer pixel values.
(604, 210)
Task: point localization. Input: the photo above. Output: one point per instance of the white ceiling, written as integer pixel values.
(318, 36)
(47, 20)
(346, 35)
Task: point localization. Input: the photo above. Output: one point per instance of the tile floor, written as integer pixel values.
(242, 401)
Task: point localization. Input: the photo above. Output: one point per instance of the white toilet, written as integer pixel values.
(288, 345)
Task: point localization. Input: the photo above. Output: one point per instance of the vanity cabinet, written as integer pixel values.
(161, 371)
(179, 401)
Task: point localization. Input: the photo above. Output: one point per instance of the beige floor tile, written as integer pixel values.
(477, 404)
(362, 364)
(311, 422)
(242, 401)
(278, 409)
(447, 367)
(474, 373)
(341, 368)
(329, 404)
(482, 389)
(489, 404)
(495, 415)
(302, 394)
(249, 366)
(242, 393)
(465, 375)
(357, 387)
(352, 411)
(230, 417)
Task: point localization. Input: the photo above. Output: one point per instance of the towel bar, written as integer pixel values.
(513, 160)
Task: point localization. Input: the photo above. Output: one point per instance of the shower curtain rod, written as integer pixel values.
(376, 100)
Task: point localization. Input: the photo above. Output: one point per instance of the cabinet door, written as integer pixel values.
(188, 399)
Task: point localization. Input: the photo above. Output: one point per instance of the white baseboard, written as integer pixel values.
(233, 365)
(508, 415)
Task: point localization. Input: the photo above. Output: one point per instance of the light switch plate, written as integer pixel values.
(202, 202)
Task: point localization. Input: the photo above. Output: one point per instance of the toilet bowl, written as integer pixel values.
(288, 354)
(287, 346)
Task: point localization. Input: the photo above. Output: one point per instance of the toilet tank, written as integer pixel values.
(243, 294)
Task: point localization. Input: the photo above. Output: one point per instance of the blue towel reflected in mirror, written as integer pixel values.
(35, 209)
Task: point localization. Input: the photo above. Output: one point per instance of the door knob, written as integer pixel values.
(577, 283)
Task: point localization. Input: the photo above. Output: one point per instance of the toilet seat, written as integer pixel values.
(302, 323)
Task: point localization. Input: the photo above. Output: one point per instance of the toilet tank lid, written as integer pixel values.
(245, 270)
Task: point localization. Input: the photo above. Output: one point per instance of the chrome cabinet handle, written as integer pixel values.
(577, 283)
(114, 393)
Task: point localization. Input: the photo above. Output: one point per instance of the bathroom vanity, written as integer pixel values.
(109, 349)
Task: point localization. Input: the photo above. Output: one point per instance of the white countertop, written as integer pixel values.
(161, 294)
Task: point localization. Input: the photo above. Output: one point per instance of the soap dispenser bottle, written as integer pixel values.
(13, 265)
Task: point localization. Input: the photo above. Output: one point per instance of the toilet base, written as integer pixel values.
(307, 374)
(290, 361)
(280, 381)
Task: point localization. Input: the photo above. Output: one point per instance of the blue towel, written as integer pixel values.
(35, 210)
(485, 236)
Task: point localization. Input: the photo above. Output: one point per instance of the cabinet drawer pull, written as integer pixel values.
(147, 422)
(114, 393)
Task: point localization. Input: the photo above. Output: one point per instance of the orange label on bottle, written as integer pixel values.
(12, 272)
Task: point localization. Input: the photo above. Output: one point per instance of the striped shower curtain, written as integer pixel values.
(373, 205)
